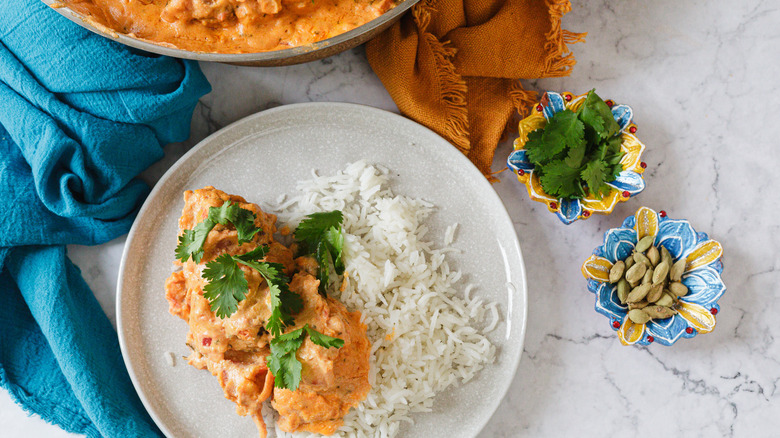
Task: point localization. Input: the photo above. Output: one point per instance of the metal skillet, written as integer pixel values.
(295, 55)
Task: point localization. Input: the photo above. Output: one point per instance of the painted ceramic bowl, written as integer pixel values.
(696, 310)
(628, 183)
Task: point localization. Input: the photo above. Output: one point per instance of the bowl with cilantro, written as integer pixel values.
(579, 155)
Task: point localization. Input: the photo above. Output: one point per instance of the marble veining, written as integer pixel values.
(702, 78)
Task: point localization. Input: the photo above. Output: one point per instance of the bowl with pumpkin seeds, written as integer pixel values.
(656, 279)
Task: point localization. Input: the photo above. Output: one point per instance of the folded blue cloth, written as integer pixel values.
(80, 117)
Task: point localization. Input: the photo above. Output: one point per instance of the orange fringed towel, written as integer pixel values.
(454, 65)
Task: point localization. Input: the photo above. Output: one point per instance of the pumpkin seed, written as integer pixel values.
(660, 312)
(644, 243)
(655, 293)
(616, 272)
(638, 316)
(653, 254)
(678, 289)
(622, 290)
(666, 300)
(636, 272)
(638, 293)
(660, 272)
(641, 258)
(675, 274)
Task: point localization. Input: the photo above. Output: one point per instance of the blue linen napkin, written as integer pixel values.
(80, 117)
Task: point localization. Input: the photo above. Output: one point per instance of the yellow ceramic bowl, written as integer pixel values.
(629, 183)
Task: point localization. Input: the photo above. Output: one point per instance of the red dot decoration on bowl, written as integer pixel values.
(632, 129)
(714, 311)
(650, 339)
(689, 330)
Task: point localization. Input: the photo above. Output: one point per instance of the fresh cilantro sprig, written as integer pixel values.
(228, 286)
(577, 152)
(320, 235)
(191, 241)
(283, 363)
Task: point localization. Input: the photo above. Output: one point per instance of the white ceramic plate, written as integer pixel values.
(263, 156)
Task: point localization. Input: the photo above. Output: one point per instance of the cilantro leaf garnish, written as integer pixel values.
(227, 285)
(562, 180)
(597, 115)
(323, 340)
(594, 175)
(242, 219)
(311, 229)
(283, 363)
(191, 241)
(320, 235)
(284, 303)
(577, 149)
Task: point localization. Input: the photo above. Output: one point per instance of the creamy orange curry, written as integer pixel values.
(231, 26)
(234, 349)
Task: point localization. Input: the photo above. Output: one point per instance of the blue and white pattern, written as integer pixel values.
(704, 283)
(571, 209)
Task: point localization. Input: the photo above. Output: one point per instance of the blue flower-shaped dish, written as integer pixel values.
(696, 310)
(628, 183)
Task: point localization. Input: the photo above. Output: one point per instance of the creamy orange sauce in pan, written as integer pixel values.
(231, 26)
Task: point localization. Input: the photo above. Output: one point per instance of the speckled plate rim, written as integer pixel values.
(518, 285)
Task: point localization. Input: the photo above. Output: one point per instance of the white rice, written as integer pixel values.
(421, 324)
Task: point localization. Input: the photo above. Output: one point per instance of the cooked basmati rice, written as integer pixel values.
(420, 326)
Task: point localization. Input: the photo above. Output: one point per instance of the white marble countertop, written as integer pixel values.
(702, 78)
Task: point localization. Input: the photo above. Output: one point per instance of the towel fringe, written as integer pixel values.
(522, 99)
(559, 60)
(452, 85)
